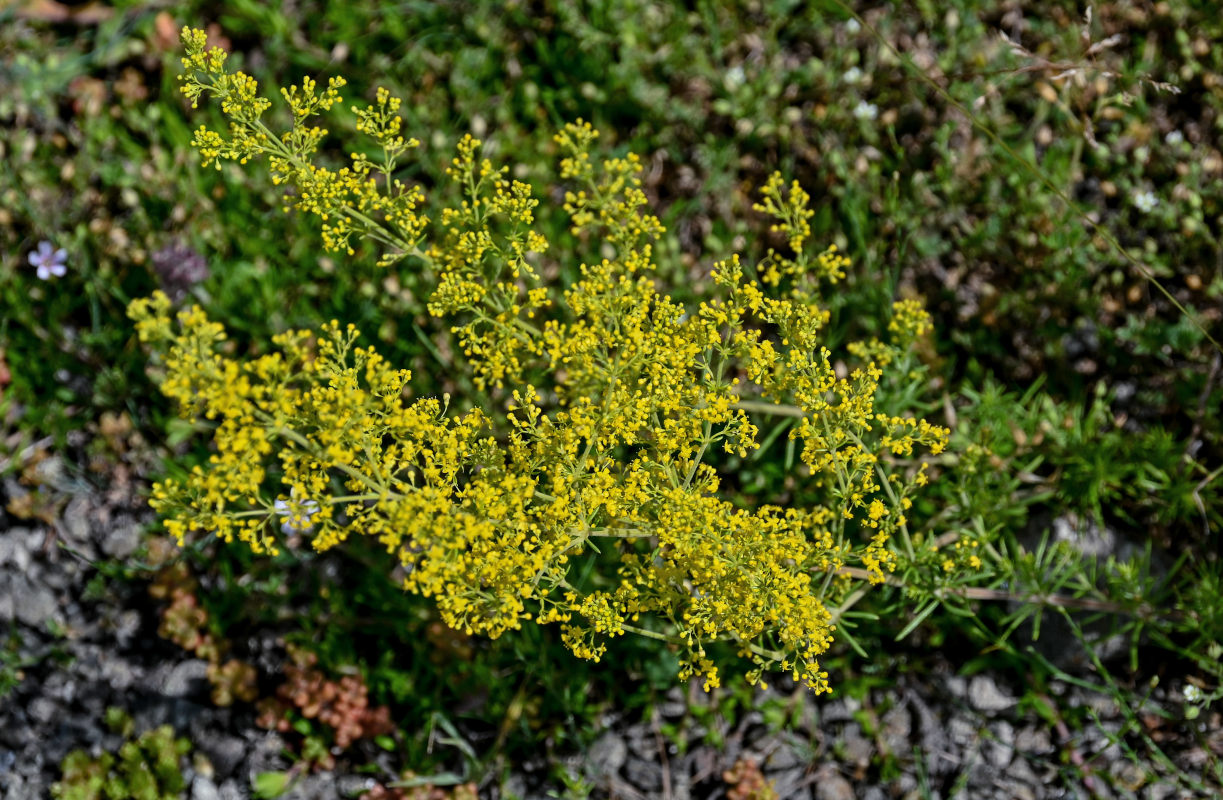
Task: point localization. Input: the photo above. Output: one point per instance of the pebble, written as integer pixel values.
(1000, 748)
(17, 789)
(353, 785)
(790, 783)
(13, 549)
(1021, 771)
(858, 748)
(225, 752)
(840, 710)
(320, 786)
(674, 706)
(186, 679)
(1034, 741)
(122, 539)
(1161, 790)
(957, 685)
(831, 785)
(645, 775)
(42, 710)
(74, 525)
(204, 789)
(984, 695)
(7, 612)
(962, 731)
(33, 604)
(897, 727)
(127, 625)
(1127, 775)
(1013, 790)
(784, 753)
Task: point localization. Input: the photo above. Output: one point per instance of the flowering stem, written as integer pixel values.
(775, 409)
(887, 488)
(649, 634)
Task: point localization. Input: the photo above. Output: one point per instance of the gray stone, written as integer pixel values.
(608, 754)
(74, 524)
(980, 777)
(897, 726)
(681, 785)
(791, 783)
(1000, 748)
(984, 695)
(61, 686)
(1021, 771)
(858, 749)
(1161, 790)
(353, 785)
(51, 472)
(319, 786)
(641, 742)
(42, 710)
(933, 734)
(962, 731)
(1102, 704)
(7, 612)
(674, 706)
(809, 718)
(840, 710)
(204, 789)
(33, 604)
(17, 789)
(1034, 741)
(230, 790)
(1127, 775)
(13, 549)
(831, 785)
(1013, 790)
(785, 754)
(127, 625)
(1085, 536)
(61, 578)
(645, 775)
(225, 752)
(957, 685)
(186, 678)
(122, 539)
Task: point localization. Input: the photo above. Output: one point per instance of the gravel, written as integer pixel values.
(940, 734)
(984, 695)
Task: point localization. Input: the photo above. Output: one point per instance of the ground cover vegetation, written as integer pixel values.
(853, 334)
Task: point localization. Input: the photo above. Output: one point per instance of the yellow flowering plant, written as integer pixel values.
(584, 489)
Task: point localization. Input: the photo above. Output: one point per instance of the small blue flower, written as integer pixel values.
(297, 514)
(49, 261)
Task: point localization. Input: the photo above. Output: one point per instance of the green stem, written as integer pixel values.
(775, 409)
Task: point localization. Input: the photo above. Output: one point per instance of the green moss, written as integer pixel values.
(145, 768)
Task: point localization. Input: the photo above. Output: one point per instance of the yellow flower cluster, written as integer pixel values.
(791, 212)
(363, 200)
(595, 500)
